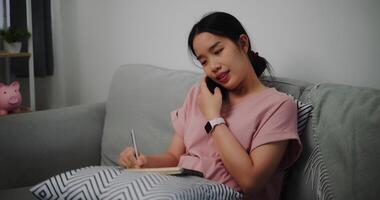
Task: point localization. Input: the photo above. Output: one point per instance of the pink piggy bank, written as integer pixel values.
(10, 97)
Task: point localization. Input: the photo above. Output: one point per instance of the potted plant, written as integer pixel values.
(12, 38)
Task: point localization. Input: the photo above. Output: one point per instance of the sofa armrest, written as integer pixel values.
(37, 145)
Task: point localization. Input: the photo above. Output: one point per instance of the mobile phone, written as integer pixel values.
(211, 85)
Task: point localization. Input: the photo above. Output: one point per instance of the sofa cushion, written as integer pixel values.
(46, 139)
(108, 182)
(343, 163)
(141, 97)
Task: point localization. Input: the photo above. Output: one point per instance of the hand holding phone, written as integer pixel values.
(211, 85)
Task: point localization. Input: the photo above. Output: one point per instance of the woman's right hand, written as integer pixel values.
(128, 160)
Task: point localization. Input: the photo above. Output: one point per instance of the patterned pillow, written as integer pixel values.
(111, 182)
(303, 114)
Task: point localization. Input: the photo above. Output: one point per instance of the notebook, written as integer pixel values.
(174, 171)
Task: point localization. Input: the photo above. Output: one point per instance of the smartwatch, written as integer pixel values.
(210, 125)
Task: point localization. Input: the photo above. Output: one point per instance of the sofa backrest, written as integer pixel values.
(141, 97)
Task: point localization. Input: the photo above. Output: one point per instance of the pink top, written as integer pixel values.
(261, 118)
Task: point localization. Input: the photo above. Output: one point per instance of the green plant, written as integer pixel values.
(14, 34)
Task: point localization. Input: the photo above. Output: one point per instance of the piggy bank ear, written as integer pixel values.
(15, 84)
(2, 85)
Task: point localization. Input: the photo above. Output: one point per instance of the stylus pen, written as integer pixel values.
(134, 143)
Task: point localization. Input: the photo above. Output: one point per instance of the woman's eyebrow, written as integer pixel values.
(214, 45)
(210, 48)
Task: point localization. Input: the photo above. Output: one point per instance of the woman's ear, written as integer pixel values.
(244, 42)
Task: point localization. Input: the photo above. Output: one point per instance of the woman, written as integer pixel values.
(244, 138)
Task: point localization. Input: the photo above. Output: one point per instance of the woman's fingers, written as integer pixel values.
(141, 161)
(127, 158)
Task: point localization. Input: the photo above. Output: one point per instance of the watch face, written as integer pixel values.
(208, 127)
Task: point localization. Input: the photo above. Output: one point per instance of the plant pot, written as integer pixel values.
(14, 47)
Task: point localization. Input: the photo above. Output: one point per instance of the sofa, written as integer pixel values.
(340, 158)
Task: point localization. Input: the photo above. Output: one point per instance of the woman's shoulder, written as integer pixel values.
(279, 96)
(192, 93)
(271, 98)
(194, 89)
(283, 100)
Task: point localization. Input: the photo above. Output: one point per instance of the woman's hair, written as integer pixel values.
(226, 25)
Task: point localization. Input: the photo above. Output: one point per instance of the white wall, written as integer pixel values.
(318, 41)
(2, 12)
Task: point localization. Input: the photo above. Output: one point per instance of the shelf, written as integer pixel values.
(4, 54)
(21, 109)
(8, 56)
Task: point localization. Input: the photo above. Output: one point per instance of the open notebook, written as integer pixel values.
(174, 171)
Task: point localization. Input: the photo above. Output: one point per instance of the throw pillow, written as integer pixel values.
(303, 114)
(111, 182)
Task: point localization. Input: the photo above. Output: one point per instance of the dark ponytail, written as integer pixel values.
(259, 63)
(226, 25)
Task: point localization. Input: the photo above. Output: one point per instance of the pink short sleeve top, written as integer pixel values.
(261, 118)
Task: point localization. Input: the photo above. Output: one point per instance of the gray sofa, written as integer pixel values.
(341, 142)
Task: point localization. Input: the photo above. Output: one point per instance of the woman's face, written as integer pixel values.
(223, 61)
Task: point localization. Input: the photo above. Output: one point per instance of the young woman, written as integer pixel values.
(244, 138)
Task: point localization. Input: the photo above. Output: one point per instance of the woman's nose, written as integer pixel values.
(215, 66)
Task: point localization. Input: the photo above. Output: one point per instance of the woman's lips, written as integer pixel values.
(223, 77)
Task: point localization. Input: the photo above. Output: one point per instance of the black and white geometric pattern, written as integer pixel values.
(115, 183)
(303, 114)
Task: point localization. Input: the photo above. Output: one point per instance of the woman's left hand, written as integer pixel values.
(209, 104)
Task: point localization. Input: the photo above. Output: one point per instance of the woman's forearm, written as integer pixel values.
(170, 158)
(251, 171)
(234, 157)
(162, 160)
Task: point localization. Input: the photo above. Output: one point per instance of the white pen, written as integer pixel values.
(134, 143)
